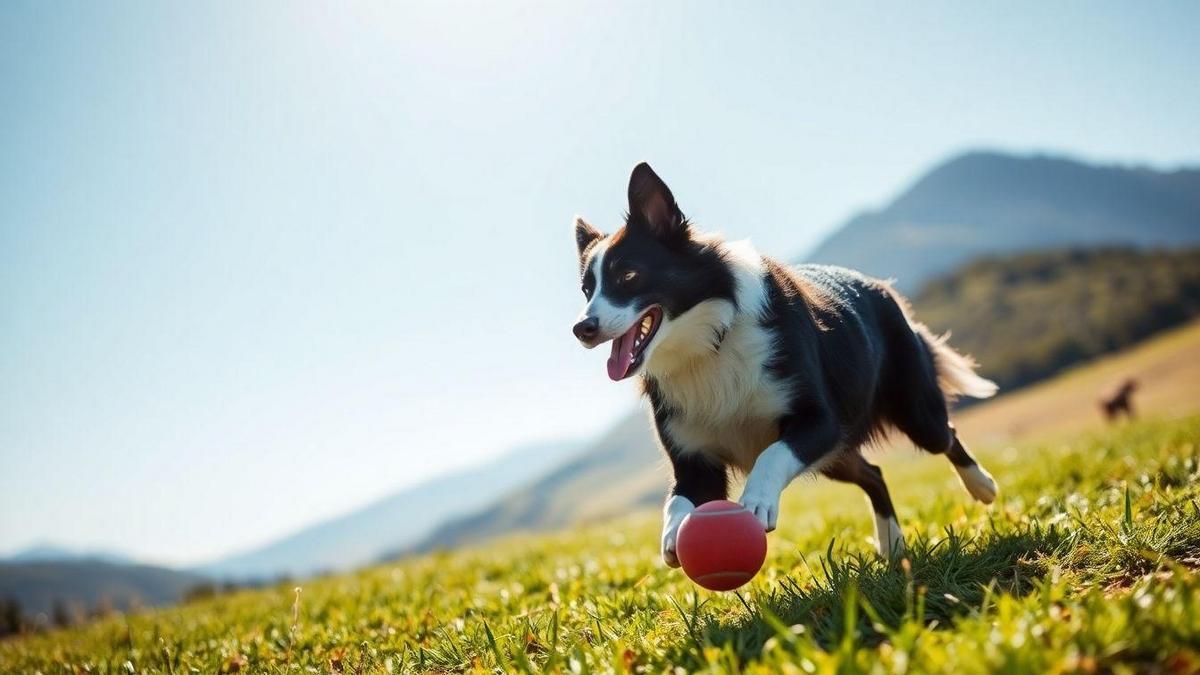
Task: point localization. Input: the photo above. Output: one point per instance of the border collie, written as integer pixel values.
(767, 370)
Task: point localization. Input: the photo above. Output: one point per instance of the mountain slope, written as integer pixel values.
(83, 584)
(391, 523)
(985, 203)
(50, 552)
(617, 472)
(1023, 317)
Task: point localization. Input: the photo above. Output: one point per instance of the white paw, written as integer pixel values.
(763, 505)
(888, 537)
(675, 510)
(773, 470)
(670, 557)
(978, 482)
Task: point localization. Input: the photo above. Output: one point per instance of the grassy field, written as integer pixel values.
(1085, 563)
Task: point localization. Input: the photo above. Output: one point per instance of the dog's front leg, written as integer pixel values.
(674, 511)
(802, 445)
(697, 480)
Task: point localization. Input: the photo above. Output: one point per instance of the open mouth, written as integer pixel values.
(629, 348)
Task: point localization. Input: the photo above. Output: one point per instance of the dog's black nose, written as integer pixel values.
(587, 329)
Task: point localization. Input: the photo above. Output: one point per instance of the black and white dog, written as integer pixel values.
(761, 368)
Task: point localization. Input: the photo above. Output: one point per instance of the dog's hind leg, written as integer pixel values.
(930, 430)
(915, 402)
(853, 468)
(974, 477)
(936, 435)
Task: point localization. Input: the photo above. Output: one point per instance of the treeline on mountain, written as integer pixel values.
(1029, 315)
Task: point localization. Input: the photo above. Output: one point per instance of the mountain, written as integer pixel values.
(392, 523)
(987, 203)
(616, 472)
(82, 585)
(50, 552)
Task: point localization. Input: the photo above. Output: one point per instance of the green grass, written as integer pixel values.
(1084, 564)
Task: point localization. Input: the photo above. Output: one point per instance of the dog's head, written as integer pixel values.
(653, 286)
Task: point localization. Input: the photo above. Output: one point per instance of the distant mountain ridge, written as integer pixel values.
(390, 524)
(50, 552)
(988, 203)
(84, 584)
(623, 470)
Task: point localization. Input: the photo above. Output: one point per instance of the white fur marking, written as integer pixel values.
(888, 536)
(727, 405)
(978, 482)
(614, 320)
(772, 472)
(674, 511)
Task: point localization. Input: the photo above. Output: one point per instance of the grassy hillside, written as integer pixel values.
(1168, 367)
(1085, 563)
(1024, 317)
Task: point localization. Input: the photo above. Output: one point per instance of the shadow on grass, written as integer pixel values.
(937, 581)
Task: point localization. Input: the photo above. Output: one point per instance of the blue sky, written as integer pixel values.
(263, 262)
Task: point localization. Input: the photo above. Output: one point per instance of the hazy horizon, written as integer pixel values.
(264, 264)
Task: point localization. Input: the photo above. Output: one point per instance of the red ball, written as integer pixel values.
(721, 545)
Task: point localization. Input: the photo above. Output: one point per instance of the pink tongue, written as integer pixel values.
(622, 354)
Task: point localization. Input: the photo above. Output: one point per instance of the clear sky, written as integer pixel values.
(263, 262)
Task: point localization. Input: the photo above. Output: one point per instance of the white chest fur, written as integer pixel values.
(724, 402)
(727, 405)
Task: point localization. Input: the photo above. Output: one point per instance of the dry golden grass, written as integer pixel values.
(1167, 367)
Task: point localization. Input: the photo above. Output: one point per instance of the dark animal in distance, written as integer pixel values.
(1118, 401)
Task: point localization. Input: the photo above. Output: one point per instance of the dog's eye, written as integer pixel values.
(587, 291)
(628, 276)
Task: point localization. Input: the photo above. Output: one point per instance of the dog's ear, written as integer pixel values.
(653, 207)
(585, 234)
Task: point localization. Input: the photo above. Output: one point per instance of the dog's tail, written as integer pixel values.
(955, 372)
